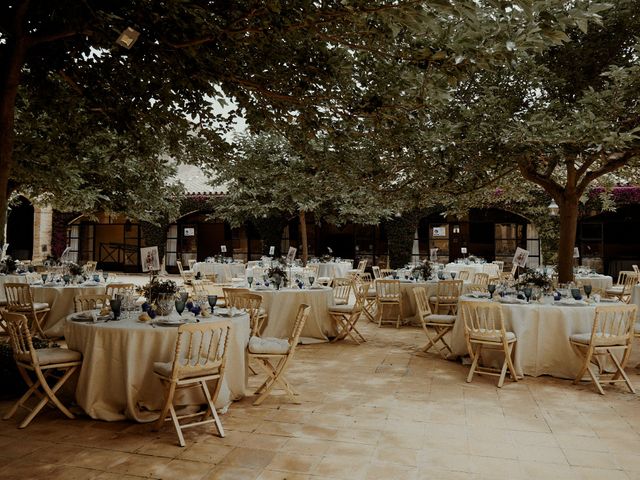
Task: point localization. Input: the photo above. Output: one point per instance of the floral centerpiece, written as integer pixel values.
(8, 265)
(532, 277)
(160, 295)
(276, 272)
(74, 269)
(422, 270)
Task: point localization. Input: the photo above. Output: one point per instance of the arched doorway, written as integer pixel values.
(20, 229)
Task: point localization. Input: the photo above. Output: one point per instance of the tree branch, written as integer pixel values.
(615, 161)
(528, 171)
(39, 39)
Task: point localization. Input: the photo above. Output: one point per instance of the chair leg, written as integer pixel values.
(212, 407)
(165, 408)
(50, 396)
(595, 380)
(508, 354)
(620, 370)
(474, 365)
(587, 358)
(33, 388)
(176, 425)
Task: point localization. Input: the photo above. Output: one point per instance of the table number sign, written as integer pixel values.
(433, 254)
(576, 252)
(520, 257)
(150, 259)
(291, 255)
(272, 250)
(223, 248)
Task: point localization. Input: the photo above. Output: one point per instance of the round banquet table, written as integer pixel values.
(208, 268)
(491, 268)
(635, 297)
(116, 381)
(60, 300)
(333, 269)
(596, 281)
(543, 332)
(282, 306)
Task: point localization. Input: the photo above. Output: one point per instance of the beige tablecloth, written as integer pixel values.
(116, 381)
(543, 337)
(60, 300)
(473, 268)
(282, 306)
(635, 297)
(333, 269)
(596, 281)
(208, 268)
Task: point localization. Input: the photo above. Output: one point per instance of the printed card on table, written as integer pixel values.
(520, 257)
(291, 255)
(150, 259)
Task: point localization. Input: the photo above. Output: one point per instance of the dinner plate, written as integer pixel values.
(609, 300)
(169, 323)
(82, 317)
(226, 312)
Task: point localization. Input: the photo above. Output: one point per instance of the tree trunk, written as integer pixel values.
(303, 237)
(15, 51)
(568, 227)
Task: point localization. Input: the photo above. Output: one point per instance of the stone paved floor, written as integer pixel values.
(374, 411)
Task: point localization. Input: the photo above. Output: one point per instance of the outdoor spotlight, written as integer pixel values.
(128, 37)
(553, 208)
(456, 229)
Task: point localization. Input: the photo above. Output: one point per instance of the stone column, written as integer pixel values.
(42, 231)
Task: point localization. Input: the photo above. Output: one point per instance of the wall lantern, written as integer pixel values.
(456, 229)
(553, 208)
(127, 38)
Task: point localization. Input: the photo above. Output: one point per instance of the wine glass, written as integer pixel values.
(96, 278)
(441, 275)
(180, 306)
(587, 289)
(184, 296)
(66, 277)
(115, 304)
(212, 299)
(527, 293)
(453, 275)
(44, 278)
(575, 293)
(311, 280)
(491, 288)
(105, 275)
(250, 281)
(278, 281)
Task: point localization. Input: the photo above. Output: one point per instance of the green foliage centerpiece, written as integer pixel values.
(537, 279)
(160, 295)
(422, 270)
(278, 274)
(8, 265)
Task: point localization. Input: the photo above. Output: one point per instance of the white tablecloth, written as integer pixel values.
(473, 268)
(116, 381)
(333, 269)
(409, 300)
(635, 298)
(543, 337)
(208, 268)
(596, 281)
(60, 300)
(282, 306)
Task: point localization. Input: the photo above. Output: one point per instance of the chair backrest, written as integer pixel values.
(251, 303)
(387, 272)
(231, 295)
(635, 269)
(388, 290)
(449, 288)
(20, 338)
(623, 276)
(630, 281)
(301, 318)
(483, 319)
(201, 348)
(18, 296)
(463, 275)
(422, 303)
(207, 287)
(376, 271)
(192, 262)
(90, 302)
(362, 264)
(363, 277)
(180, 269)
(311, 270)
(500, 265)
(114, 289)
(481, 278)
(342, 289)
(614, 324)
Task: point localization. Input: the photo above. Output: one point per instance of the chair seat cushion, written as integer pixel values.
(50, 356)
(614, 290)
(448, 319)
(599, 340)
(341, 302)
(371, 293)
(492, 335)
(341, 308)
(268, 345)
(36, 306)
(164, 369)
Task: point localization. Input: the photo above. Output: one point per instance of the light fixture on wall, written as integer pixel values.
(553, 208)
(128, 37)
(456, 229)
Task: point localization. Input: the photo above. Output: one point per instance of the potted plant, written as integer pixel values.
(160, 294)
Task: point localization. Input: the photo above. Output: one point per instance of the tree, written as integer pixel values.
(63, 80)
